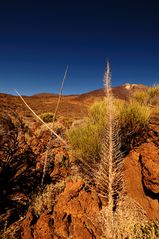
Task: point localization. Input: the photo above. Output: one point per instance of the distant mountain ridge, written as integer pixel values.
(122, 92)
(70, 105)
(98, 92)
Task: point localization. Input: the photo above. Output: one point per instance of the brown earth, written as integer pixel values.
(70, 106)
(72, 211)
(74, 214)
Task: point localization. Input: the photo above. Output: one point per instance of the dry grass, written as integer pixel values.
(47, 199)
(130, 222)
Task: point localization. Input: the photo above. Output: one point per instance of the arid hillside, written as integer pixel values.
(71, 106)
(49, 188)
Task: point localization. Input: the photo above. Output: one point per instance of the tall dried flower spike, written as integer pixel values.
(109, 175)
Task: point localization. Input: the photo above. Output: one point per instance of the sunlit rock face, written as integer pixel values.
(129, 86)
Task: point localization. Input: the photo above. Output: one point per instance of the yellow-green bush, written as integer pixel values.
(147, 97)
(86, 140)
(133, 116)
(97, 114)
(153, 91)
(47, 117)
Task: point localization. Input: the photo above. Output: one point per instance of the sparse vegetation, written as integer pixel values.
(133, 116)
(147, 97)
(96, 142)
(47, 117)
(98, 138)
(57, 127)
(130, 222)
(86, 139)
(46, 199)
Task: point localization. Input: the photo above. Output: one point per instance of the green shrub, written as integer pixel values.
(147, 97)
(97, 114)
(141, 96)
(47, 117)
(153, 91)
(133, 116)
(86, 140)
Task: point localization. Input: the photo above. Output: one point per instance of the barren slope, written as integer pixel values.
(73, 105)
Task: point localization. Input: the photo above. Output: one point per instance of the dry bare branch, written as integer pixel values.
(52, 131)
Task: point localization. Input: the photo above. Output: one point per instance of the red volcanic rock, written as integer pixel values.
(61, 164)
(74, 213)
(150, 167)
(27, 226)
(139, 175)
(74, 216)
(43, 227)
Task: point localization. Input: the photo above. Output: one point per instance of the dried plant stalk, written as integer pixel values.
(109, 175)
(60, 95)
(52, 131)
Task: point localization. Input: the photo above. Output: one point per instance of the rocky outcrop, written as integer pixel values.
(74, 216)
(22, 166)
(18, 177)
(142, 171)
(74, 209)
(135, 185)
(149, 159)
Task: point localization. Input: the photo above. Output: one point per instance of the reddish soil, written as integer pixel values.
(74, 207)
(70, 106)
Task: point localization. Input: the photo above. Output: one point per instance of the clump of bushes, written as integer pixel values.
(47, 117)
(147, 97)
(86, 139)
(133, 116)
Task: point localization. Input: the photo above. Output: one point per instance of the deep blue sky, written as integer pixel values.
(39, 38)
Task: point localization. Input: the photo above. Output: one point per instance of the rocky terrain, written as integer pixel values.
(42, 194)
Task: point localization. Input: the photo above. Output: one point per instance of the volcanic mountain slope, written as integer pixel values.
(65, 206)
(71, 105)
